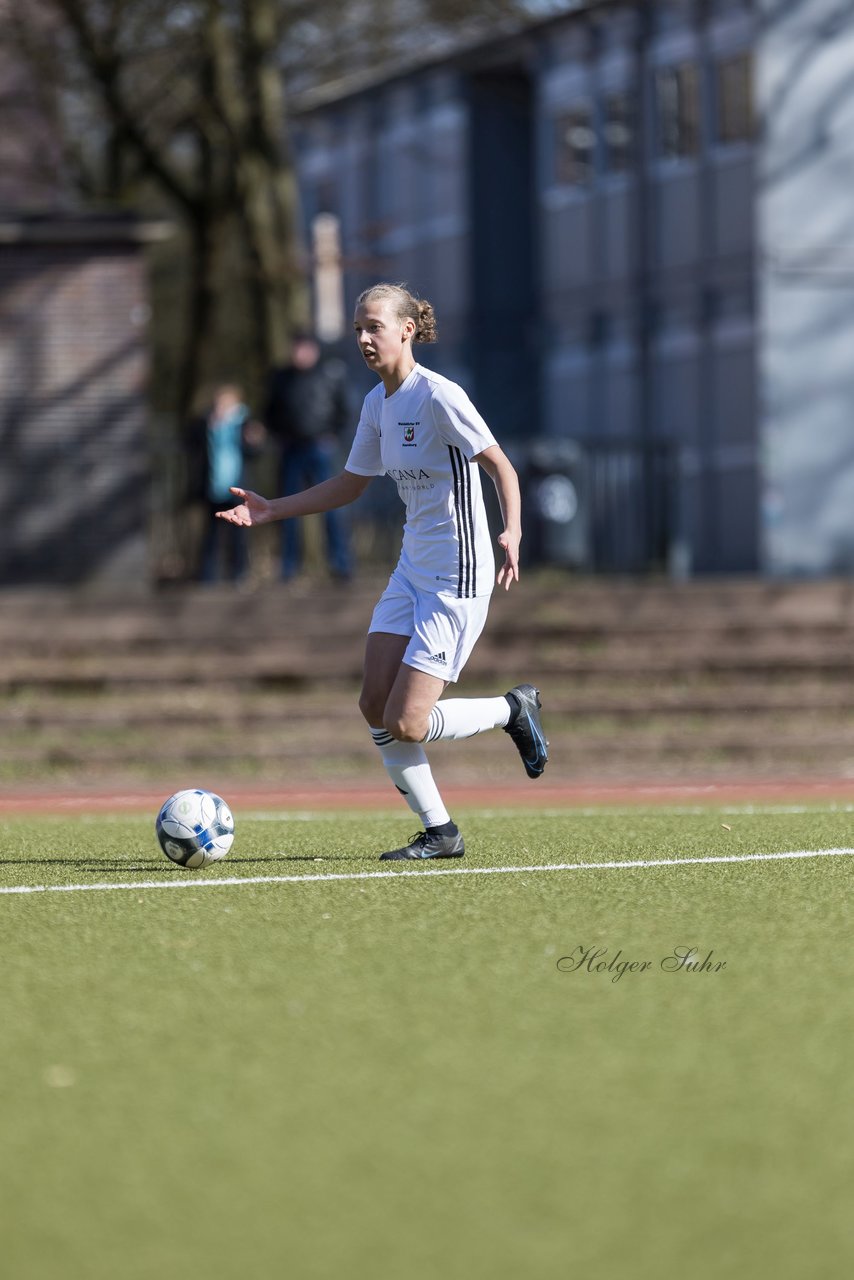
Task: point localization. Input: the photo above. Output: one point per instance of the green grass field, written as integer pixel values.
(394, 1077)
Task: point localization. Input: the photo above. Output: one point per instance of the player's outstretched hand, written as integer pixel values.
(509, 571)
(251, 511)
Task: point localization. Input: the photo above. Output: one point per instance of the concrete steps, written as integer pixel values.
(642, 680)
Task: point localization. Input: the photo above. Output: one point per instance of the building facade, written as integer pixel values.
(587, 204)
(74, 362)
(74, 484)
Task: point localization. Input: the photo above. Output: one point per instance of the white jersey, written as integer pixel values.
(424, 437)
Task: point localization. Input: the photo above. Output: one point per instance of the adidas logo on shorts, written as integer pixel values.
(438, 657)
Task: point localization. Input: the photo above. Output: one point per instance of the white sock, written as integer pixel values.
(407, 765)
(464, 717)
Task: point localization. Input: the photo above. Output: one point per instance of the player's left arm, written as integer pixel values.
(503, 475)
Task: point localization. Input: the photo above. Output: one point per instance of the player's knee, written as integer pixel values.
(405, 727)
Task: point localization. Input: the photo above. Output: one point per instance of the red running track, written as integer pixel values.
(58, 800)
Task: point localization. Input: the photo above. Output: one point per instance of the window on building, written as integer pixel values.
(618, 131)
(729, 8)
(598, 328)
(667, 14)
(734, 98)
(677, 100)
(575, 145)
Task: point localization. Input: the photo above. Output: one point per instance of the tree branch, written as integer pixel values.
(105, 66)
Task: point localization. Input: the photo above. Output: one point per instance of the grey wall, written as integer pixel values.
(805, 187)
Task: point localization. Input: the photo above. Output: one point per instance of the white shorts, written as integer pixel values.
(443, 628)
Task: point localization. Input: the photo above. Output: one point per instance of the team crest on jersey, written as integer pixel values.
(409, 432)
(409, 435)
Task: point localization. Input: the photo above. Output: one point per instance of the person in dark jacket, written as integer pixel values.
(307, 411)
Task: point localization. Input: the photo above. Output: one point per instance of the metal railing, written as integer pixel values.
(604, 505)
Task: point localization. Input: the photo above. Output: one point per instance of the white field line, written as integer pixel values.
(570, 811)
(606, 811)
(634, 864)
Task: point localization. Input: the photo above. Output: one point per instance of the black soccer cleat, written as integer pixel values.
(526, 728)
(427, 844)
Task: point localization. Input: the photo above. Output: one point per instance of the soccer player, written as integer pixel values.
(423, 431)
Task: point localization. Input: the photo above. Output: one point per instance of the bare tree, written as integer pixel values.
(182, 107)
(185, 104)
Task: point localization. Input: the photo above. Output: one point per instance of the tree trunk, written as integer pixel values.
(269, 202)
(200, 310)
(251, 103)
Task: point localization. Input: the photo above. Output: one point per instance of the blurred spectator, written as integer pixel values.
(307, 412)
(218, 443)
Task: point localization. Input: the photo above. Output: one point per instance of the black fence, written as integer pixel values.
(603, 506)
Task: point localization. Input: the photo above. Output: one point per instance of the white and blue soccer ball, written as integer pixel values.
(195, 828)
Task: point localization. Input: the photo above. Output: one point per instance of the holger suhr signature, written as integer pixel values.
(681, 959)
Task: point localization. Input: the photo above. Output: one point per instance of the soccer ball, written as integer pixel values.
(195, 828)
